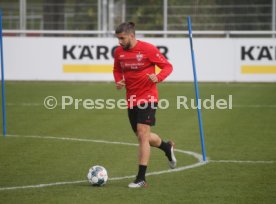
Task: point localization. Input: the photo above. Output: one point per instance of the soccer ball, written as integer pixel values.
(97, 176)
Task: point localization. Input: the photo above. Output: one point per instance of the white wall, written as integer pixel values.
(217, 59)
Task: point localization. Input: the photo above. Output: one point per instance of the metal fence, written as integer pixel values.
(150, 15)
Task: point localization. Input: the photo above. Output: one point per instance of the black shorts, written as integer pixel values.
(142, 115)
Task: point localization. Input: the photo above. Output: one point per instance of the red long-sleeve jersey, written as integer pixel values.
(134, 65)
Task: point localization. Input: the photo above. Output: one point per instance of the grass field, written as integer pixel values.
(52, 146)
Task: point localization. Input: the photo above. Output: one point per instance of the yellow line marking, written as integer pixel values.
(87, 68)
(93, 68)
(258, 69)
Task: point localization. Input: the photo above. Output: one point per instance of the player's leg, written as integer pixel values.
(167, 147)
(143, 135)
(143, 149)
(141, 120)
(155, 140)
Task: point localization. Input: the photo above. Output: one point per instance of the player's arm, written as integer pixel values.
(118, 73)
(158, 59)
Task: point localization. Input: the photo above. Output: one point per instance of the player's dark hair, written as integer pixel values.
(126, 27)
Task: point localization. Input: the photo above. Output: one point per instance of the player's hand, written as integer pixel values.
(121, 84)
(153, 78)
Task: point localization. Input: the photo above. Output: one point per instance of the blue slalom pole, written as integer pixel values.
(2, 78)
(196, 91)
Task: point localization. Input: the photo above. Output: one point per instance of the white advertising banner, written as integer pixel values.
(91, 59)
(256, 60)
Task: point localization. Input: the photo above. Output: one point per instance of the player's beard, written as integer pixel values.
(126, 46)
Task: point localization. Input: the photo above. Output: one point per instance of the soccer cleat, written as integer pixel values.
(172, 161)
(138, 184)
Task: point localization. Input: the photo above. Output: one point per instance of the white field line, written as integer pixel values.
(254, 106)
(28, 104)
(244, 161)
(75, 139)
(41, 185)
(182, 168)
(111, 179)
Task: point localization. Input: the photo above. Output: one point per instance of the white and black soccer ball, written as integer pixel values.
(97, 176)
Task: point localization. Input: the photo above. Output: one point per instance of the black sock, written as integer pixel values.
(141, 173)
(163, 146)
(166, 148)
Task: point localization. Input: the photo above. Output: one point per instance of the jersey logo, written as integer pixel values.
(122, 65)
(139, 57)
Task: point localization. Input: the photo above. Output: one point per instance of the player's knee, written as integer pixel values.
(143, 139)
(143, 135)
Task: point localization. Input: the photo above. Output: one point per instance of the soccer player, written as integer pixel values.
(134, 69)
